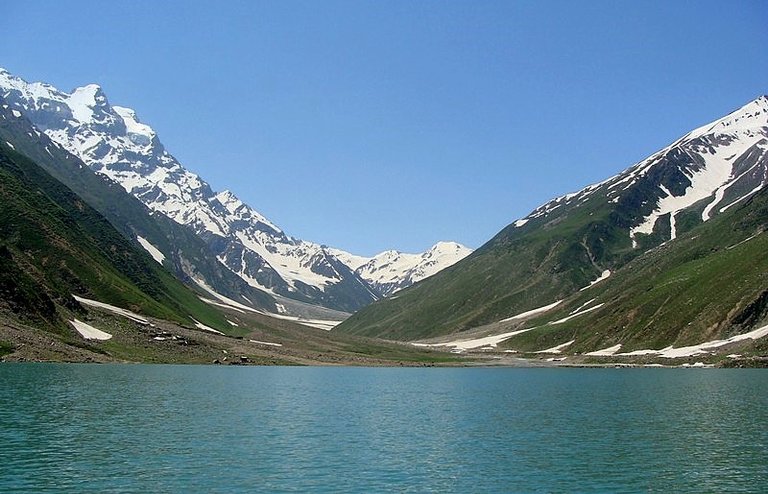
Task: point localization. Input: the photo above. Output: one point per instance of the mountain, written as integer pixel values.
(53, 246)
(74, 288)
(113, 142)
(173, 245)
(605, 232)
(391, 271)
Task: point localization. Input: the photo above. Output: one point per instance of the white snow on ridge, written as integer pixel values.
(391, 270)
(486, 341)
(720, 192)
(228, 303)
(577, 314)
(437, 258)
(558, 348)
(702, 348)
(312, 323)
(202, 326)
(265, 343)
(238, 210)
(352, 261)
(116, 310)
(756, 189)
(519, 223)
(225, 301)
(292, 261)
(112, 141)
(89, 332)
(532, 312)
(605, 352)
(741, 130)
(132, 124)
(82, 101)
(153, 251)
(605, 274)
(703, 184)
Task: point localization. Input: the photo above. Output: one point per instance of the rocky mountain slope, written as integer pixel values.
(113, 142)
(171, 244)
(74, 288)
(591, 236)
(54, 248)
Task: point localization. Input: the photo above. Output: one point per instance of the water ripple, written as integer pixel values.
(136, 428)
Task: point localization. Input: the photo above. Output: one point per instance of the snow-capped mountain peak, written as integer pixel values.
(86, 101)
(392, 270)
(114, 142)
(708, 169)
(139, 133)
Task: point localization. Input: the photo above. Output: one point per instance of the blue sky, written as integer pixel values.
(370, 125)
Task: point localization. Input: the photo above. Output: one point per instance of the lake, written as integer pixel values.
(161, 428)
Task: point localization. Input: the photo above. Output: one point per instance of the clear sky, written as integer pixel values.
(370, 125)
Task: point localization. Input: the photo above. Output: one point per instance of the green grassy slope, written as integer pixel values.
(693, 279)
(514, 272)
(710, 283)
(53, 245)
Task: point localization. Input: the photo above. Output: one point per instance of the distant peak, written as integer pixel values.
(132, 123)
(84, 100)
(227, 195)
(92, 90)
(125, 112)
(448, 247)
(762, 101)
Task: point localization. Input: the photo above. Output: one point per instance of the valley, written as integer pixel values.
(664, 256)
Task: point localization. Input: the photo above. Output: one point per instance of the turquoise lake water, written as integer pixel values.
(156, 428)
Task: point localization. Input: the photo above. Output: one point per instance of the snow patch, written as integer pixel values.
(221, 304)
(600, 278)
(202, 326)
(577, 314)
(111, 308)
(605, 352)
(392, 270)
(743, 241)
(82, 101)
(703, 348)
(265, 343)
(756, 189)
(532, 312)
(232, 304)
(716, 174)
(487, 341)
(226, 301)
(558, 348)
(153, 251)
(132, 124)
(89, 332)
